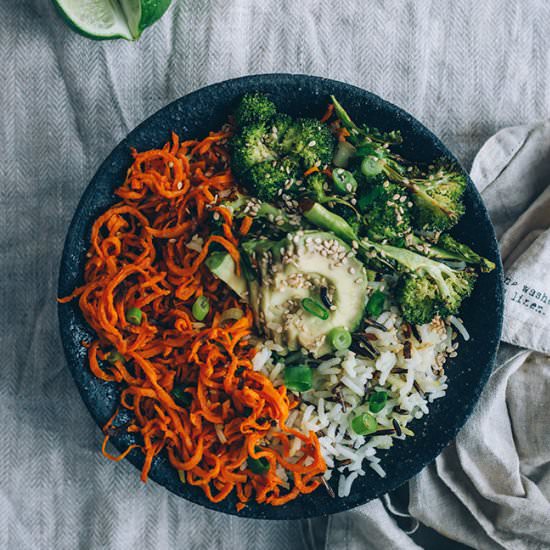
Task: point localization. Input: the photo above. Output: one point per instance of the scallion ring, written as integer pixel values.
(344, 181)
(371, 166)
(377, 401)
(134, 316)
(315, 308)
(339, 338)
(375, 305)
(200, 308)
(364, 424)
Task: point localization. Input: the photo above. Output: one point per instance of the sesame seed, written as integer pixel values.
(171, 164)
(216, 216)
(386, 184)
(403, 198)
(396, 197)
(312, 143)
(180, 185)
(172, 241)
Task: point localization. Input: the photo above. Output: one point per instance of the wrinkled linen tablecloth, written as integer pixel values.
(463, 67)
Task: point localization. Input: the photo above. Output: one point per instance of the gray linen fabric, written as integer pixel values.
(465, 68)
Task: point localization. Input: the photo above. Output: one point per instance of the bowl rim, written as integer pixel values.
(68, 256)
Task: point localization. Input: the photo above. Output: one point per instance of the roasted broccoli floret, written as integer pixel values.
(317, 186)
(449, 249)
(450, 285)
(437, 196)
(249, 148)
(271, 149)
(254, 108)
(282, 133)
(386, 211)
(267, 180)
(419, 299)
(313, 142)
(436, 192)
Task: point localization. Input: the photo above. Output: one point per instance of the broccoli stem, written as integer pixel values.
(455, 251)
(345, 119)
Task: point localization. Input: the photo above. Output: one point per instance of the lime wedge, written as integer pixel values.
(108, 19)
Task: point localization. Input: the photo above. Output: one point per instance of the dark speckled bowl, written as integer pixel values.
(206, 109)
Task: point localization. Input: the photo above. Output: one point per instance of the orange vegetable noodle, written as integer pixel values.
(147, 252)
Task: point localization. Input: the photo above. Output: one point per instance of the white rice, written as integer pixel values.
(321, 410)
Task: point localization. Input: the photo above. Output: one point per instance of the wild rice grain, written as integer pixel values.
(397, 427)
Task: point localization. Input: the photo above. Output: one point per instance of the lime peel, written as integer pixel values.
(109, 19)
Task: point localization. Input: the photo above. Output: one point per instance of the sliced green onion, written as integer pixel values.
(377, 401)
(298, 378)
(315, 308)
(364, 424)
(200, 308)
(375, 305)
(344, 151)
(258, 466)
(339, 338)
(344, 181)
(134, 315)
(181, 397)
(115, 356)
(371, 166)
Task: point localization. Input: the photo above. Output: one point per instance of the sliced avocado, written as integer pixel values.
(299, 267)
(222, 265)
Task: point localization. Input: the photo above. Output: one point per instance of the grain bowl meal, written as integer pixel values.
(277, 301)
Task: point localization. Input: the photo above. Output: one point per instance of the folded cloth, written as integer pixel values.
(491, 487)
